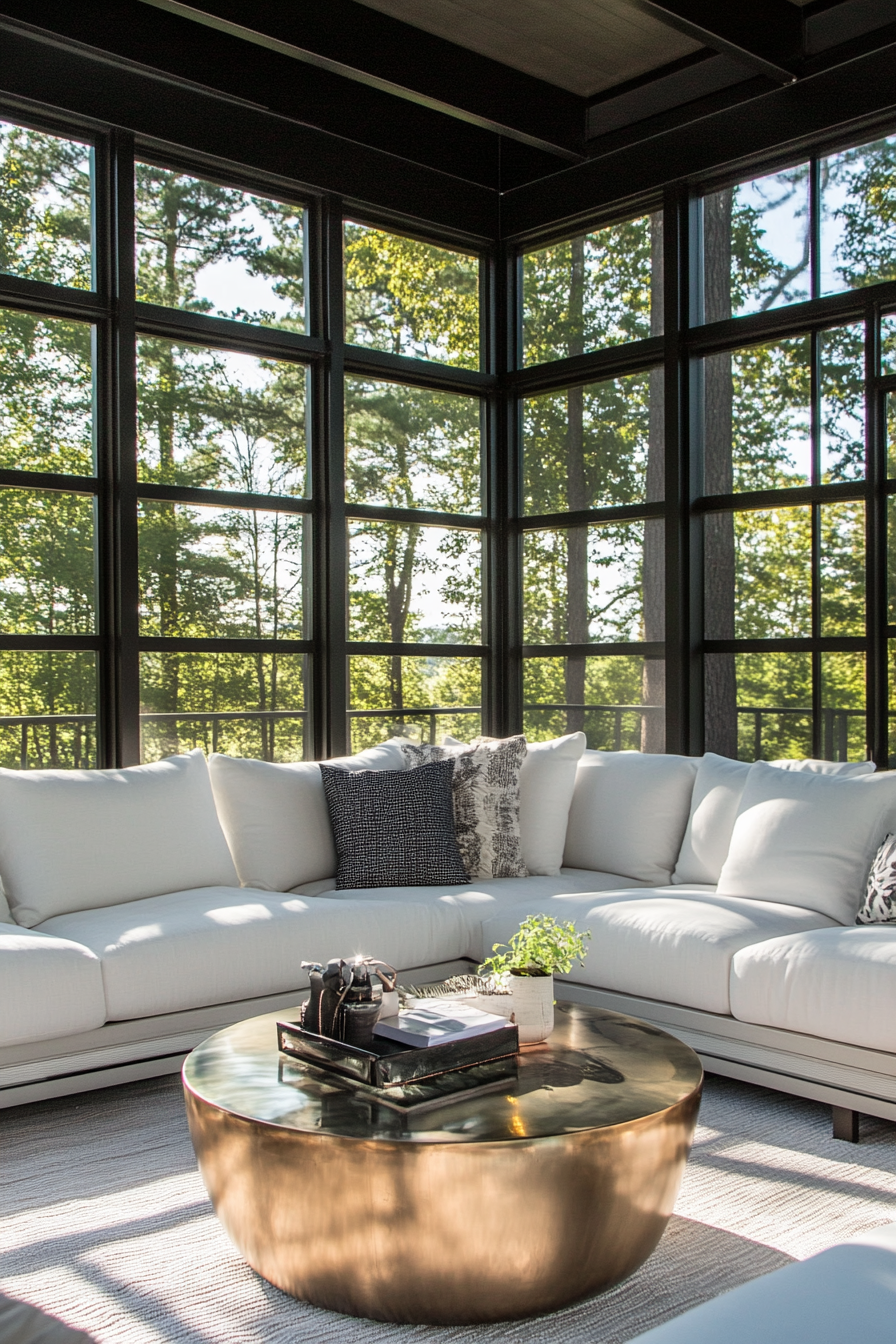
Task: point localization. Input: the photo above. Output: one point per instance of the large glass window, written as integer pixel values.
(593, 290)
(213, 249)
(45, 215)
(405, 297)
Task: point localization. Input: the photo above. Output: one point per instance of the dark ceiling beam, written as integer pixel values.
(373, 49)
(46, 71)
(766, 35)
(852, 98)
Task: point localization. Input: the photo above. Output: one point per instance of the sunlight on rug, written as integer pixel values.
(104, 1222)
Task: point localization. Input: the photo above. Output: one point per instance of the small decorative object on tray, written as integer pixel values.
(429, 1025)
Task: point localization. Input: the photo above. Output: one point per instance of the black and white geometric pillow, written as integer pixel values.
(393, 828)
(486, 801)
(879, 905)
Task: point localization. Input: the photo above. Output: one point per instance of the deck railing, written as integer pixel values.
(834, 723)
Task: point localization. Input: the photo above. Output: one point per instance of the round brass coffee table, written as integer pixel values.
(502, 1205)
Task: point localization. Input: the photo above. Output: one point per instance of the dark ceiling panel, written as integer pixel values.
(584, 47)
(351, 40)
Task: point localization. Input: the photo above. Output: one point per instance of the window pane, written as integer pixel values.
(421, 698)
(241, 704)
(47, 582)
(757, 574)
(758, 706)
(214, 249)
(843, 569)
(589, 447)
(858, 216)
(46, 394)
(45, 195)
(888, 343)
(600, 288)
(756, 245)
(842, 352)
(410, 584)
(597, 583)
(220, 420)
(47, 710)
(409, 447)
(411, 298)
(220, 573)
(618, 702)
(756, 418)
(891, 436)
(843, 726)
(891, 559)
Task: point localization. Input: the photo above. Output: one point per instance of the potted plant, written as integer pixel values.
(526, 966)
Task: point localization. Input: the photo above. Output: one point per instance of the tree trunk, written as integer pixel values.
(720, 678)
(653, 676)
(576, 498)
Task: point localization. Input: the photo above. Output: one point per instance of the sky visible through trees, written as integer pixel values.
(225, 421)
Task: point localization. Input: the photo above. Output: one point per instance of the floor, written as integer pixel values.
(105, 1223)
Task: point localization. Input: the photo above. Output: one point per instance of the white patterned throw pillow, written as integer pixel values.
(486, 801)
(879, 905)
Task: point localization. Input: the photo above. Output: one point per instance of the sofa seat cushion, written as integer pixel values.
(482, 900)
(49, 987)
(836, 983)
(189, 949)
(670, 943)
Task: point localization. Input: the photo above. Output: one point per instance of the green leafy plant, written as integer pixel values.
(541, 946)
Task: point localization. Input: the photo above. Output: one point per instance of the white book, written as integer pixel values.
(438, 1025)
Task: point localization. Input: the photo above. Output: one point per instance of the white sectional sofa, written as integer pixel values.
(148, 907)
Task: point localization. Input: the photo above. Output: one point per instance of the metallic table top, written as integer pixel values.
(598, 1069)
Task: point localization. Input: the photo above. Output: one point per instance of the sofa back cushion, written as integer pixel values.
(807, 839)
(714, 803)
(81, 839)
(628, 814)
(275, 816)
(547, 782)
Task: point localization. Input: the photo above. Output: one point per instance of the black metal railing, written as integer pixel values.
(82, 748)
(617, 712)
(405, 718)
(834, 727)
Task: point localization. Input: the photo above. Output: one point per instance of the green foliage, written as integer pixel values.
(411, 298)
(541, 946)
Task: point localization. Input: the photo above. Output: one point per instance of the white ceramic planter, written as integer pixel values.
(533, 1006)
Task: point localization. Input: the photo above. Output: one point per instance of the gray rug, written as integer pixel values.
(104, 1222)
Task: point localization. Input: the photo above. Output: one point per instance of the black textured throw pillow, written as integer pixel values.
(393, 828)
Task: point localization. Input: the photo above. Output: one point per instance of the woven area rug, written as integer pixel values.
(104, 1222)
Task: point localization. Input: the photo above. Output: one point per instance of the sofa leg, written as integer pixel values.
(846, 1124)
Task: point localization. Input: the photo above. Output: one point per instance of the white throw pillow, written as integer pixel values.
(717, 789)
(275, 816)
(547, 781)
(628, 814)
(807, 839)
(80, 839)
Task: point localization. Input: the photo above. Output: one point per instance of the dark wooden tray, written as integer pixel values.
(390, 1064)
